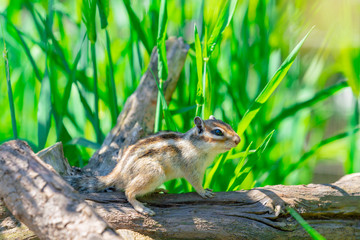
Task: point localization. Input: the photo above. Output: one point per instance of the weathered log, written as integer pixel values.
(137, 117)
(43, 201)
(54, 156)
(332, 209)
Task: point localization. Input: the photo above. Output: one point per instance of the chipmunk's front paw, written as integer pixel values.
(145, 211)
(207, 193)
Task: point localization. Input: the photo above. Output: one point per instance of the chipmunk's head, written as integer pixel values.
(218, 135)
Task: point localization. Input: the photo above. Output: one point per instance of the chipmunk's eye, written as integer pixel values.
(218, 132)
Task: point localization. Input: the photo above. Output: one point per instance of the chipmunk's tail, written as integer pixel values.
(88, 184)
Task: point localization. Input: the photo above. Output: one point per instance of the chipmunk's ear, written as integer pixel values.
(212, 117)
(199, 124)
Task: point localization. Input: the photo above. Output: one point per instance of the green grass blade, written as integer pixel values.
(168, 119)
(241, 154)
(311, 231)
(131, 55)
(27, 52)
(96, 96)
(39, 28)
(199, 63)
(198, 52)
(223, 20)
(182, 110)
(352, 164)
(318, 97)
(205, 85)
(245, 168)
(67, 92)
(232, 7)
(210, 177)
(235, 181)
(83, 142)
(10, 95)
(86, 106)
(137, 26)
(264, 144)
(239, 108)
(71, 79)
(313, 150)
(350, 58)
(113, 97)
(103, 6)
(58, 50)
(270, 87)
(162, 64)
(161, 46)
(44, 110)
(200, 20)
(89, 14)
(158, 112)
(165, 110)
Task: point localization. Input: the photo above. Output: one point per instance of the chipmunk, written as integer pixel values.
(158, 158)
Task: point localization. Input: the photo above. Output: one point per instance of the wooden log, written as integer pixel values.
(332, 209)
(54, 156)
(41, 199)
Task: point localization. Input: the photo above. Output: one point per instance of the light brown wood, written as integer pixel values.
(54, 156)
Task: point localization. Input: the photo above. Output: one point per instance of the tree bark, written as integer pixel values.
(332, 209)
(42, 200)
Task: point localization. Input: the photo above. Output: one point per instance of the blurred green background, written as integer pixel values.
(51, 47)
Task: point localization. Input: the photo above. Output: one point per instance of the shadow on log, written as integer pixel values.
(37, 196)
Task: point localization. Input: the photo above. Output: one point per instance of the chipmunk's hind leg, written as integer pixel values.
(142, 185)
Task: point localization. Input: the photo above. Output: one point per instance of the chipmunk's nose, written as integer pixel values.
(237, 139)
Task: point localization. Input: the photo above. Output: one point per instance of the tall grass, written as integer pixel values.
(74, 63)
(9, 92)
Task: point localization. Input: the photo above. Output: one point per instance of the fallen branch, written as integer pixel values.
(42, 200)
(332, 209)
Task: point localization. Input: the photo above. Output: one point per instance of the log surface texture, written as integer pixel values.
(42, 200)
